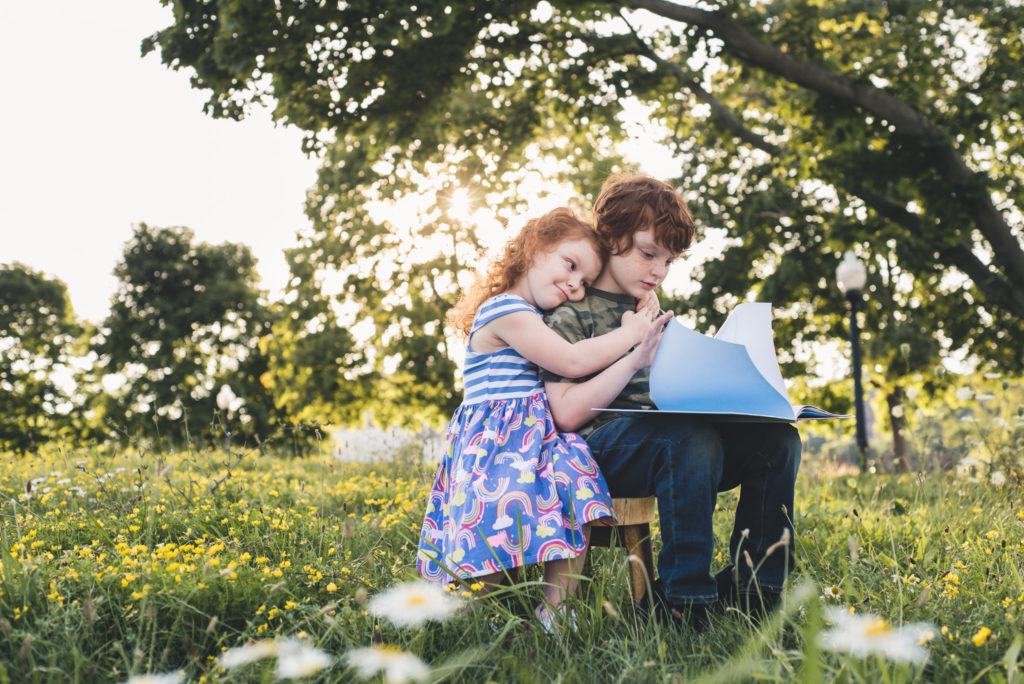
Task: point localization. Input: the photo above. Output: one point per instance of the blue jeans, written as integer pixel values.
(685, 462)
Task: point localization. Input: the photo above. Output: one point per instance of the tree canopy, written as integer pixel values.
(802, 128)
(39, 336)
(187, 318)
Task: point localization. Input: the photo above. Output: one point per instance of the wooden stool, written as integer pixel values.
(634, 532)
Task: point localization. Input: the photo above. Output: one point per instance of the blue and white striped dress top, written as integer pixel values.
(503, 374)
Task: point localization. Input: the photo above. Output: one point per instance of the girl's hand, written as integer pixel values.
(638, 323)
(649, 302)
(643, 355)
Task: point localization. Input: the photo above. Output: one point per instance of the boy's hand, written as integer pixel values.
(643, 355)
(638, 323)
(649, 302)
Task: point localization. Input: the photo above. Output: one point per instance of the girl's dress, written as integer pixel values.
(510, 490)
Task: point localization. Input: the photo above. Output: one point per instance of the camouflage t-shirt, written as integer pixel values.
(597, 313)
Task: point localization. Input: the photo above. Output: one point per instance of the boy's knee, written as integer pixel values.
(788, 447)
(705, 443)
(695, 447)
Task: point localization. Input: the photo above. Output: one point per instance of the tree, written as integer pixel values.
(39, 337)
(803, 129)
(187, 318)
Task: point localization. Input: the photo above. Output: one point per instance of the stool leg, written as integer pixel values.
(637, 540)
(646, 551)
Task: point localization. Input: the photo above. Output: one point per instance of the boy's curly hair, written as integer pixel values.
(539, 234)
(631, 203)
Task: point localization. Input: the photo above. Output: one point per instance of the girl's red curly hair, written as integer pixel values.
(538, 235)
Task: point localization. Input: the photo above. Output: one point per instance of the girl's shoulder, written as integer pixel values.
(501, 305)
(504, 303)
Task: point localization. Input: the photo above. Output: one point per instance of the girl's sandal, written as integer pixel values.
(549, 620)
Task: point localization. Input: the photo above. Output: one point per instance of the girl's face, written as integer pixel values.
(559, 275)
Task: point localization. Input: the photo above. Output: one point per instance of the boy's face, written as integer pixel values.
(637, 271)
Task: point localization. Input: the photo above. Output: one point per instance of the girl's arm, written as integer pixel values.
(649, 302)
(572, 402)
(529, 336)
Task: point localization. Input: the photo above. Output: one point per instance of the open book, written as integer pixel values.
(731, 376)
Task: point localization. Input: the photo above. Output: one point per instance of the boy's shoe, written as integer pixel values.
(655, 605)
(752, 599)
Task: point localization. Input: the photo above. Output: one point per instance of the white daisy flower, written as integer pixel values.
(299, 659)
(412, 603)
(250, 653)
(176, 677)
(398, 666)
(862, 635)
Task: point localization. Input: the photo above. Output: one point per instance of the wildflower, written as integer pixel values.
(964, 393)
(982, 636)
(299, 659)
(227, 401)
(397, 665)
(833, 592)
(862, 635)
(250, 653)
(163, 678)
(412, 603)
(997, 478)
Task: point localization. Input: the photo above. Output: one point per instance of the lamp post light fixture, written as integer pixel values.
(852, 276)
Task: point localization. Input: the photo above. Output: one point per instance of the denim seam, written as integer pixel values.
(668, 525)
(697, 598)
(775, 588)
(763, 496)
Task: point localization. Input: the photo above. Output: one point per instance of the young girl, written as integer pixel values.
(511, 490)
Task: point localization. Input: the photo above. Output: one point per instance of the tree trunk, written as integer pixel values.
(900, 451)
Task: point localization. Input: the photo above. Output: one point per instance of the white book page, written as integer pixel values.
(750, 324)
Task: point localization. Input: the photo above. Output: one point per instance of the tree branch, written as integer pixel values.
(719, 111)
(964, 183)
(997, 291)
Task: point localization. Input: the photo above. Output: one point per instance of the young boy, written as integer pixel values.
(683, 461)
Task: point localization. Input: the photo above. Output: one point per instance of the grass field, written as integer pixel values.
(119, 564)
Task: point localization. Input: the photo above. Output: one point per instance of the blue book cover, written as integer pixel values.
(732, 376)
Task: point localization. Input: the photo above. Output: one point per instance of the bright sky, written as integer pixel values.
(94, 139)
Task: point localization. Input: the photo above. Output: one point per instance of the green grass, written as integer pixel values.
(116, 564)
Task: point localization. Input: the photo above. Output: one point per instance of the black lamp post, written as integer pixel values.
(852, 276)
